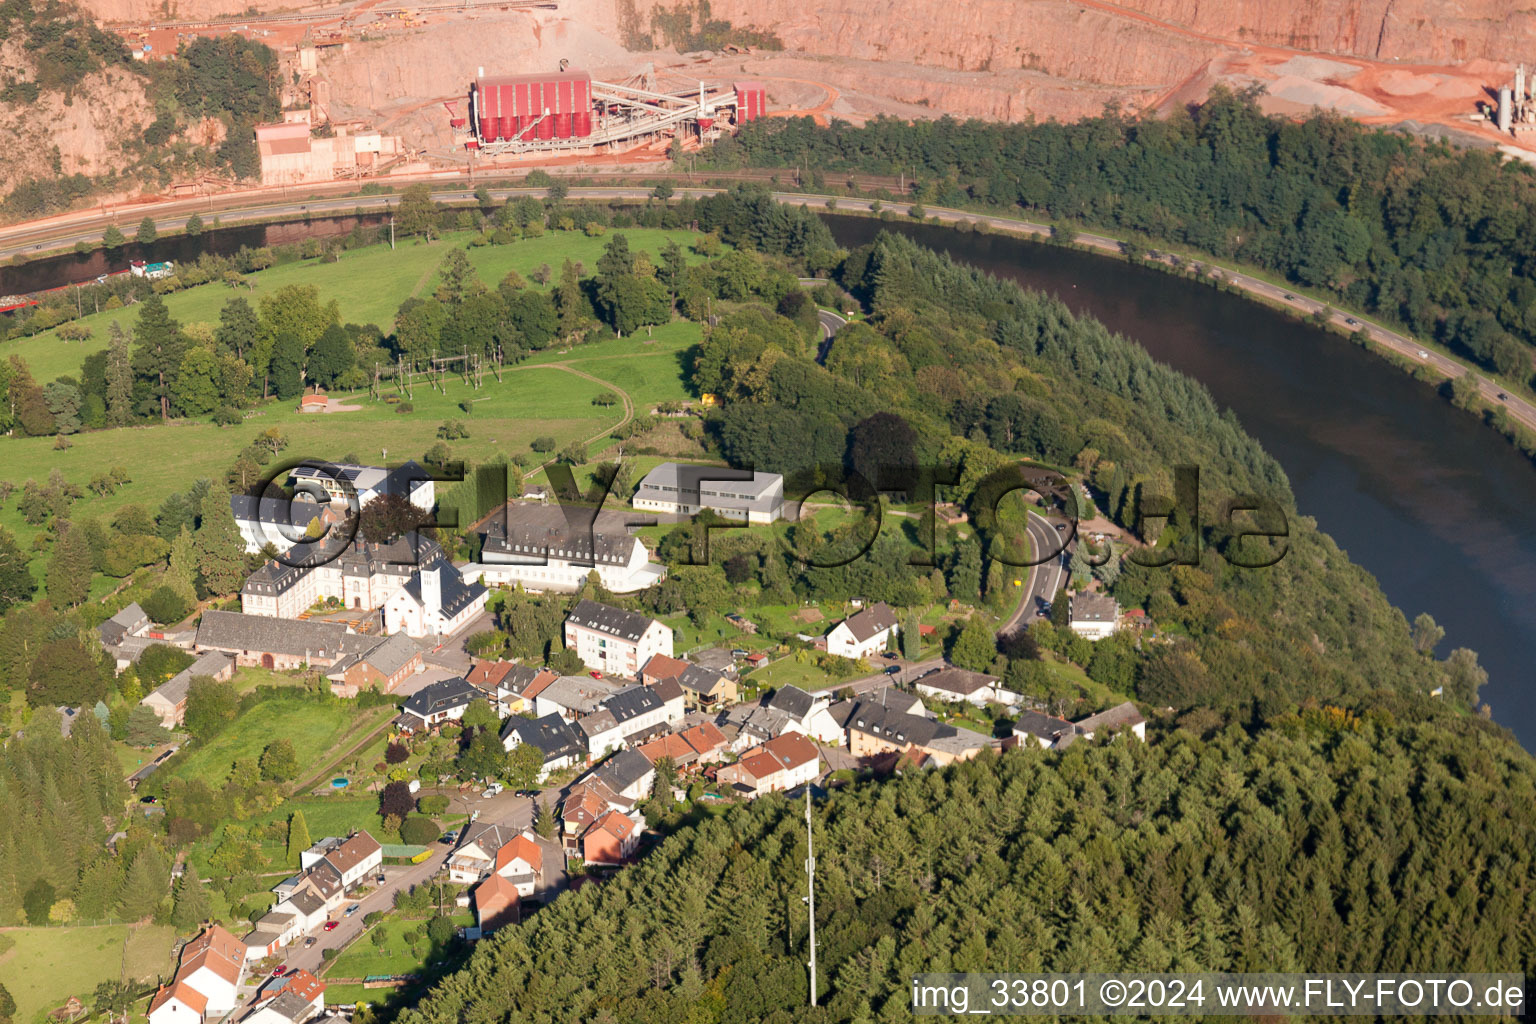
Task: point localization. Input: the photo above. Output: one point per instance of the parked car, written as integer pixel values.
(331, 926)
(595, 674)
(526, 793)
(1502, 396)
(1423, 354)
(148, 799)
(891, 670)
(354, 908)
(494, 789)
(310, 941)
(277, 972)
(380, 879)
(1352, 321)
(1289, 297)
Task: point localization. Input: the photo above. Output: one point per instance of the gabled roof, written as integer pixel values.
(291, 1006)
(792, 701)
(392, 654)
(1091, 607)
(353, 852)
(539, 683)
(581, 694)
(454, 593)
(1045, 727)
(875, 619)
(624, 769)
(1121, 716)
(487, 675)
(218, 939)
(520, 848)
(875, 719)
(233, 631)
(307, 902)
(551, 734)
(700, 679)
(174, 690)
(705, 738)
(444, 695)
(667, 690)
(792, 750)
(120, 625)
(494, 893)
(671, 745)
(597, 723)
(615, 823)
(958, 681)
(614, 622)
(487, 836)
(584, 805)
(759, 763)
(182, 992)
(537, 531)
(632, 702)
(664, 666)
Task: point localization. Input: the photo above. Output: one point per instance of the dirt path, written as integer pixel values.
(629, 404)
(330, 767)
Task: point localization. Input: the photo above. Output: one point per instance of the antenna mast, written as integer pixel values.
(810, 887)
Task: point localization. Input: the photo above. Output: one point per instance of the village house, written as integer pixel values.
(875, 730)
(611, 841)
(805, 712)
(436, 703)
(957, 684)
(673, 746)
(1045, 731)
(631, 715)
(486, 676)
(169, 699)
(206, 982)
(126, 635)
(587, 801)
(613, 640)
(1120, 718)
(520, 862)
(327, 871)
(1093, 616)
(552, 547)
(518, 690)
(703, 688)
(628, 773)
(572, 697)
(475, 855)
(291, 999)
(384, 666)
(278, 643)
(743, 495)
(496, 904)
(863, 634)
(707, 741)
(782, 763)
(553, 736)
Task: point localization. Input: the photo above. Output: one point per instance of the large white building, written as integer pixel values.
(1094, 616)
(411, 579)
(554, 547)
(681, 489)
(613, 640)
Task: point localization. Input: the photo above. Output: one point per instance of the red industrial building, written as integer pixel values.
(567, 109)
(527, 107)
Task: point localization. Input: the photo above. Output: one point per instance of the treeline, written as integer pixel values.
(1323, 842)
(1441, 240)
(63, 798)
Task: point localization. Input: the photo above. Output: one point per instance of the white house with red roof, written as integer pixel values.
(206, 982)
(611, 840)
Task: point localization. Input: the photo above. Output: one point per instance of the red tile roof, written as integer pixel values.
(486, 674)
(705, 738)
(616, 824)
(180, 990)
(662, 666)
(305, 985)
(792, 749)
(520, 848)
(540, 684)
(671, 745)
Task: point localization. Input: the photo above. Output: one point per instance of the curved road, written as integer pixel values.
(87, 226)
(1044, 581)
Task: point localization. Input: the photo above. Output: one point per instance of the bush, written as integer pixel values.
(433, 804)
(419, 831)
(440, 930)
(373, 917)
(165, 606)
(328, 955)
(405, 407)
(227, 417)
(395, 753)
(542, 443)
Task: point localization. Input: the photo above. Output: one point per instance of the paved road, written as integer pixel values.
(1044, 580)
(382, 898)
(87, 226)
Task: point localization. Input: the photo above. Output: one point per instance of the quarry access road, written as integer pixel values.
(270, 203)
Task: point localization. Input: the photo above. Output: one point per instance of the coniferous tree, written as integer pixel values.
(160, 348)
(181, 575)
(298, 836)
(16, 582)
(191, 907)
(119, 397)
(145, 886)
(220, 548)
(69, 570)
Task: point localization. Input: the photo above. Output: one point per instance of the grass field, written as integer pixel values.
(363, 958)
(317, 731)
(48, 965)
(368, 285)
(324, 816)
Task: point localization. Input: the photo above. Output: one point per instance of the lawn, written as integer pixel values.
(362, 958)
(368, 285)
(324, 816)
(789, 672)
(48, 965)
(317, 732)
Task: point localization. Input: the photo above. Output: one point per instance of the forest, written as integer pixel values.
(1438, 239)
(1323, 841)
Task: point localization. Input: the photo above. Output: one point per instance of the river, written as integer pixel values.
(1439, 507)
